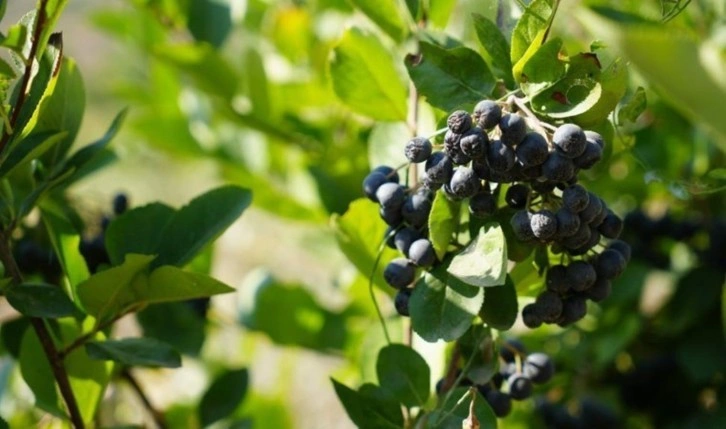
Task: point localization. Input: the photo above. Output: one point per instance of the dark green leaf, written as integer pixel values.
(496, 48)
(443, 223)
(478, 343)
(483, 262)
(139, 230)
(414, 8)
(66, 242)
(449, 78)
(717, 173)
(360, 232)
(36, 372)
(224, 395)
(535, 21)
(440, 310)
(11, 332)
(500, 307)
(40, 300)
(170, 283)
(634, 107)
(165, 321)
(135, 352)
(404, 374)
(386, 14)
(209, 21)
(370, 408)
(453, 412)
(614, 82)
(691, 304)
(364, 78)
(200, 222)
(29, 148)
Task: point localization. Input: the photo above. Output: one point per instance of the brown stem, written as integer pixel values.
(157, 415)
(40, 19)
(46, 341)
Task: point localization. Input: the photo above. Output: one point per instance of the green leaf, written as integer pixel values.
(360, 232)
(53, 10)
(500, 307)
(66, 243)
(483, 262)
(29, 148)
(717, 173)
(15, 39)
(386, 14)
(443, 307)
(386, 142)
(440, 11)
(199, 223)
(365, 79)
(165, 321)
(443, 223)
(223, 396)
(108, 292)
(209, 21)
(453, 413)
(543, 68)
(404, 374)
(290, 315)
(636, 105)
(449, 78)
(614, 82)
(414, 9)
(40, 300)
(170, 283)
(576, 93)
(139, 230)
(369, 408)
(534, 23)
(135, 352)
(650, 49)
(36, 372)
(496, 48)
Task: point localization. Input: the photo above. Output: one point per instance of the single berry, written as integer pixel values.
(391, 215)
(513, 129)
(401, 301)
(600, 290)
(439, 168)
(371, 183)
(500, 402)
(418, 149)
(591, 156)
(399, 273)
(549, 305)
(500, 156)
(596, 138)
(416, 210)
(611, 226)
(579, 238)
(580, 275)
(610, 264)
(520, 387)
(465, 183)
(539, 368)
(567, 223)
(533, 150)
(421, 253)
(482, 205)
(622, 247)
(487, 114)
(544, 224)
(558, 168)
(459, 121)
(531, 316)
(570, 140)
(391, 195)
(120, 204)
(516, 196)
(390, 173)
(404, 237)
(574, 309)
(555, 279)
(593, 209)
(474, 143)
(521, 224)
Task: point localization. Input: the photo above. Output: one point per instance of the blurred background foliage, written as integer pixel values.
(239, 91)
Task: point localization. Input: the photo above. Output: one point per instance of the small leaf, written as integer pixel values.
(40, 300)
(364, 78)
(370, 408)
(168, 283)
(165, 321)
(443, 223)
(135, 352)
(139, 230)
(29, 148)
(614, 82)
(483, 262)
(66, 241)
(543, 68)
(495, 46)
(500, 307)
(443, 307)
(386, 14)
(634, 107)
(38, 375)
(223, 396)
(15, 39)
(209, 21)
(404, 374)
(449, 78)
(576, 93)
(452, 414)
(535, 20)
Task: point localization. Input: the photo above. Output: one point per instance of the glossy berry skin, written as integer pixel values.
(399, 273)
(531, 316)
(622, 247)
(539, 368)
(404, 237)
(516, 196)
(416, 210)
(421, 253)
(558, 168)
(592, 136)
(501, 403)
(391, 215)
(570, 140)
(593, 209)
(390, 173)
(391, 196)
(401, 301)
(609, 264)
(589, 157)
(513, 128)
(371, 183)
(611, 226)
(520, 387)
(418, 149)
(521, 224)
(487, 114)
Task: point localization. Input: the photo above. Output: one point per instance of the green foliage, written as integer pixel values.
(483, 262)
(443, 223)
(223, 396)
(40, 300)
(135, 352)
(403, 374)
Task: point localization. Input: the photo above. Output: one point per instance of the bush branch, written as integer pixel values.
(157, 415)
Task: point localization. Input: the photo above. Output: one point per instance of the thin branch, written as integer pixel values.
(46, 341)
(40, 19)
(157, 415)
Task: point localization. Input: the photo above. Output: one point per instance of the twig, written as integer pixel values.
(157, 415)
(46, 341)
(539, 126)
(84, 338)
(40, 19)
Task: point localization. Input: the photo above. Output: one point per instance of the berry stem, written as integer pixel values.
(521, 104)
(157, 415)
(381, 319)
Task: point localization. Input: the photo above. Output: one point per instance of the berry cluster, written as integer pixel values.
(36, 258)
(93, 248)
(484, 153)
